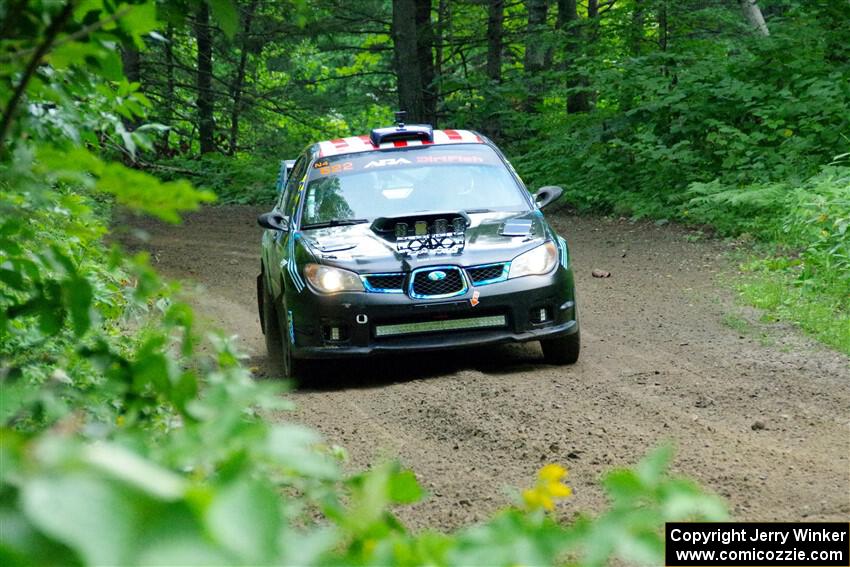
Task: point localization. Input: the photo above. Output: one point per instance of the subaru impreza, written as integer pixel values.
(410, 239)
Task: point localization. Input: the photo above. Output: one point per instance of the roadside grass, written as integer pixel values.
(818, 310)
(774, 282)
(738, 323)
(745, 328)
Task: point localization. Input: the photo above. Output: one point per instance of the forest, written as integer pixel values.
(133, 434)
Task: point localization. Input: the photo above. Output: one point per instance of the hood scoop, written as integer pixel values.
(419, 234)
(517, 227)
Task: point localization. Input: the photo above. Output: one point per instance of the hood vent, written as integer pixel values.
(441, 232)
(517, 227)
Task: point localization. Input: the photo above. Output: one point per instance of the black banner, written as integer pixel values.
(760, 544)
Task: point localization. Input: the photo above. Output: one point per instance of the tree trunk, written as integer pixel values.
(132, 64)
(630, 91)
(443, 22)
(405, 49)
(567, 13)
(236, 86)
(163, 149)
(495, 21)
(535, 51)
(568, 21)
(131, 61)
(205, 102)
(636, 29)
(425, 56)
(493, 105)
(753, 14)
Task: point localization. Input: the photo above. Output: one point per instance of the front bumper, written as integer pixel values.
(517, 302)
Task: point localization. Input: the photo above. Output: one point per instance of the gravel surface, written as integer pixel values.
(760, 416)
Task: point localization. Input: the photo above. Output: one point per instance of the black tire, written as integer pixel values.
(290, 367)
(278, 345)
(281, 362)
(562, 350)
(271, 328)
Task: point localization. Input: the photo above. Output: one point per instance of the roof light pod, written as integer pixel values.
(402, 131)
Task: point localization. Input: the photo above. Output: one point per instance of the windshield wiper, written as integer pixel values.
(334, 222)
(475, 211)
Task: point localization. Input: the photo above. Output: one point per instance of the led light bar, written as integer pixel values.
(447, 325)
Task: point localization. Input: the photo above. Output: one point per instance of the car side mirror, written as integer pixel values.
(273, 221)
(546, 195)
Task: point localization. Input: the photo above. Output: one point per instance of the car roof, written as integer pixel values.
(358, 144)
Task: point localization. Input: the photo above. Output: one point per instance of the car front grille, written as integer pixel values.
(487, 274)
(384, 283)
(437, 281)
(422, 286)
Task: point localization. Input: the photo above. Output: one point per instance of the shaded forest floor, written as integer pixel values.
(758, 414)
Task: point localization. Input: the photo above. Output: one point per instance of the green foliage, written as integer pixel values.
(121, 444)
(773, 285)
(224, 12)
(107, 504)
(243, 179)
(806, 277)
(642, 497)
(725, 128)
(742, 110)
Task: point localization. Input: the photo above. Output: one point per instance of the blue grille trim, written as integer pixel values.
(506, 268)
(412, 279)
(368, 286)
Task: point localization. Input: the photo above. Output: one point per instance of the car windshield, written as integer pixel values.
(461, 177)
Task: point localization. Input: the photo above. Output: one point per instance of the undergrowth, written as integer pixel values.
(243, 179)
(822, 313)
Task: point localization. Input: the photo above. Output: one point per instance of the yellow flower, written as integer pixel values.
(536, 498)
(552, 472)
(548, 488)
(559, 490)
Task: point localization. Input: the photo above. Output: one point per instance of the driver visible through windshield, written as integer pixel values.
(362, 187)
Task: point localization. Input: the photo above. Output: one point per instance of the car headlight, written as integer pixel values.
(328, 279)
(536, 261)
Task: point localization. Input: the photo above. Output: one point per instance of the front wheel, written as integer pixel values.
(290, 366)
(271, 328)
(278, 346)
(562, 350)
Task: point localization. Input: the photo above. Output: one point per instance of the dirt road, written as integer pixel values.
(759, 415)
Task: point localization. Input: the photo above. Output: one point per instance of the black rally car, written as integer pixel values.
(410, 239)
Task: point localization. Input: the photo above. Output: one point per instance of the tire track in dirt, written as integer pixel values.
(657, 364)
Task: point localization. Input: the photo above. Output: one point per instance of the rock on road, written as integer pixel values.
(760, 417)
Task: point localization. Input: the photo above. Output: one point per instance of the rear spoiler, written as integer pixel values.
(286, 166)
